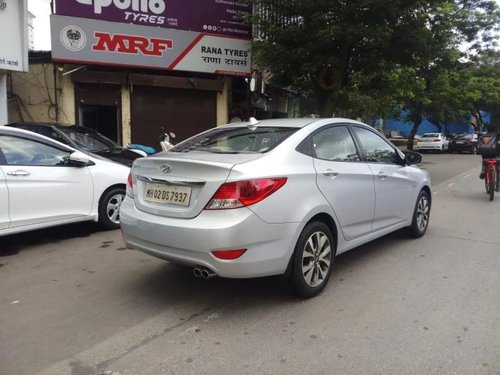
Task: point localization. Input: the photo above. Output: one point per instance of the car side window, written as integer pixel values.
(375, 148)
(335, 144)
(21, 151)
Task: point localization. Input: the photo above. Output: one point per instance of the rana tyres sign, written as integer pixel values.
(223, 17)
(82, 40)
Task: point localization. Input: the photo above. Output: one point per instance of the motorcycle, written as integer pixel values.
(165, 142)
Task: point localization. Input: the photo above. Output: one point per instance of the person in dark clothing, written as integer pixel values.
(489, 147)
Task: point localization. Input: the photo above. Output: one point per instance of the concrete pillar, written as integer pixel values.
(223, 102)
(126, 116)
(4, 118)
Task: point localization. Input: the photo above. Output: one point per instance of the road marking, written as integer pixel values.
(451, 184)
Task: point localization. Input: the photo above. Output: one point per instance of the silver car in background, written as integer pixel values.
(275, 197)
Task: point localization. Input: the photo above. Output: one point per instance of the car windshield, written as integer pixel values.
(430, 135)
(89, 140)
(235, 140)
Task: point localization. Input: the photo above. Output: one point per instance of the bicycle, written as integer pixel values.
(490, 180)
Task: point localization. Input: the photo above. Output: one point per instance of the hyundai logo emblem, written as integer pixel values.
(166, 168)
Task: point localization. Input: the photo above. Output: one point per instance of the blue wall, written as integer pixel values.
(404, 128)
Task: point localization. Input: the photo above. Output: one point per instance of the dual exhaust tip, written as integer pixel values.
(203, 272)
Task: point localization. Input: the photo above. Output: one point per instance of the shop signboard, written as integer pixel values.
(80, 40)
(13, 35)
(222, 17)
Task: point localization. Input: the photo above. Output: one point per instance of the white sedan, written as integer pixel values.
(432, 141)
(45, 183)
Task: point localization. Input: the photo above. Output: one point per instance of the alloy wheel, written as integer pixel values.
(113, 208)
(316, 259)
(423, 210)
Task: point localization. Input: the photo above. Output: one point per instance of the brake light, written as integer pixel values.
(244, 193)
(229, 254)
(130, 186)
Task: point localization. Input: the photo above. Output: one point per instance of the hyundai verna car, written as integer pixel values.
(276, 197)
(83, 139)
(45, 183)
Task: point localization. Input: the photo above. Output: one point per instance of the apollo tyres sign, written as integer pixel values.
(191, 35)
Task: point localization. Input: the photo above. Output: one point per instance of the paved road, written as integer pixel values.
(75, 301)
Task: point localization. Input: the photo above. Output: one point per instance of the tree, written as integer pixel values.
(360, 56)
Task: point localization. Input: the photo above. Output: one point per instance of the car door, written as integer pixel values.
(4, 199)
(394, 188)
(42, 187)
(345, 181)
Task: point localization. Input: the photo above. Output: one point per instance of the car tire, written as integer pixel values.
(421, 216)
(109, 208)
(313, 259)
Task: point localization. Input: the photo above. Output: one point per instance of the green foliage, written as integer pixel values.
(383, 57)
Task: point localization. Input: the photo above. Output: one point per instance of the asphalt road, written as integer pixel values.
(75, 301)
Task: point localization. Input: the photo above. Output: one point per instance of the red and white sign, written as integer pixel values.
(81, 40)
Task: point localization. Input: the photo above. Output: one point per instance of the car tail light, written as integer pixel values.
(244, 193)
(229, 254)
(130, 186)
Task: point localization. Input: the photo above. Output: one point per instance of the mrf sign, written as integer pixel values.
(81, 40)
(223, 17)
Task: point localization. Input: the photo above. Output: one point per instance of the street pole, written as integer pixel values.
(3, 98)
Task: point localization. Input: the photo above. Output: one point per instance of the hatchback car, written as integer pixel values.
(464, 142)
(432, 142)
(281, 196)
(45, 183)
(83, 139)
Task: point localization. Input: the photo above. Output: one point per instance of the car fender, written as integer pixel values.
(106, 174)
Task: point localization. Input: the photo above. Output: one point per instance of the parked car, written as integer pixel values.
(282, 196)
(45, 183)
(432, 142)
(464, 142)
(83, 139)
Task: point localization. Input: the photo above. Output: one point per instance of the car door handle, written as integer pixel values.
(382, 175)
(18, 172)
(330, 173)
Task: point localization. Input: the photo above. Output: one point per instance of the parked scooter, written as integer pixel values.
(165, 142)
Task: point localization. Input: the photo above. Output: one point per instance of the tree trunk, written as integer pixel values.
(416, 123)
(327, 108)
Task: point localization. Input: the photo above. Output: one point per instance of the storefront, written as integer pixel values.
(152, 66)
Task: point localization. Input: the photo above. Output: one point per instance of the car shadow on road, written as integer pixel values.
(170, 282)
(15, 243)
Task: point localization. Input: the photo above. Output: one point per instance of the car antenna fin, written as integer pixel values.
(252, 122)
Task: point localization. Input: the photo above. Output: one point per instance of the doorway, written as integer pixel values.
(102, 118)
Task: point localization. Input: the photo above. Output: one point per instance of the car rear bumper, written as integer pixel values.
(436, 146)
(191, 241)
(462, 147)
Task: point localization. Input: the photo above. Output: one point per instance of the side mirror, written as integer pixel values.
(79, 159)
(412, 157)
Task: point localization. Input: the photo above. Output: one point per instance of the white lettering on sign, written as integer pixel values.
(144, 6)
(131, 44)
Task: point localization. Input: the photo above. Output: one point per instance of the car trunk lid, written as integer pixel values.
(180, 185)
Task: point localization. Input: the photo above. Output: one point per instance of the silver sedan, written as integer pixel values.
(274, 197)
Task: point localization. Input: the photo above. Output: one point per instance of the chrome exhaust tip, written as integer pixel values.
(207, 274)
(197, 272)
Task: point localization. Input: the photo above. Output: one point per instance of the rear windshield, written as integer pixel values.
(89, 140)
(236, 140)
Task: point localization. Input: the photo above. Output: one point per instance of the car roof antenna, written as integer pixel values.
(253, 122)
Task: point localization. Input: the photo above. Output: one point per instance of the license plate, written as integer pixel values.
(460, 142)
(169, 194)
